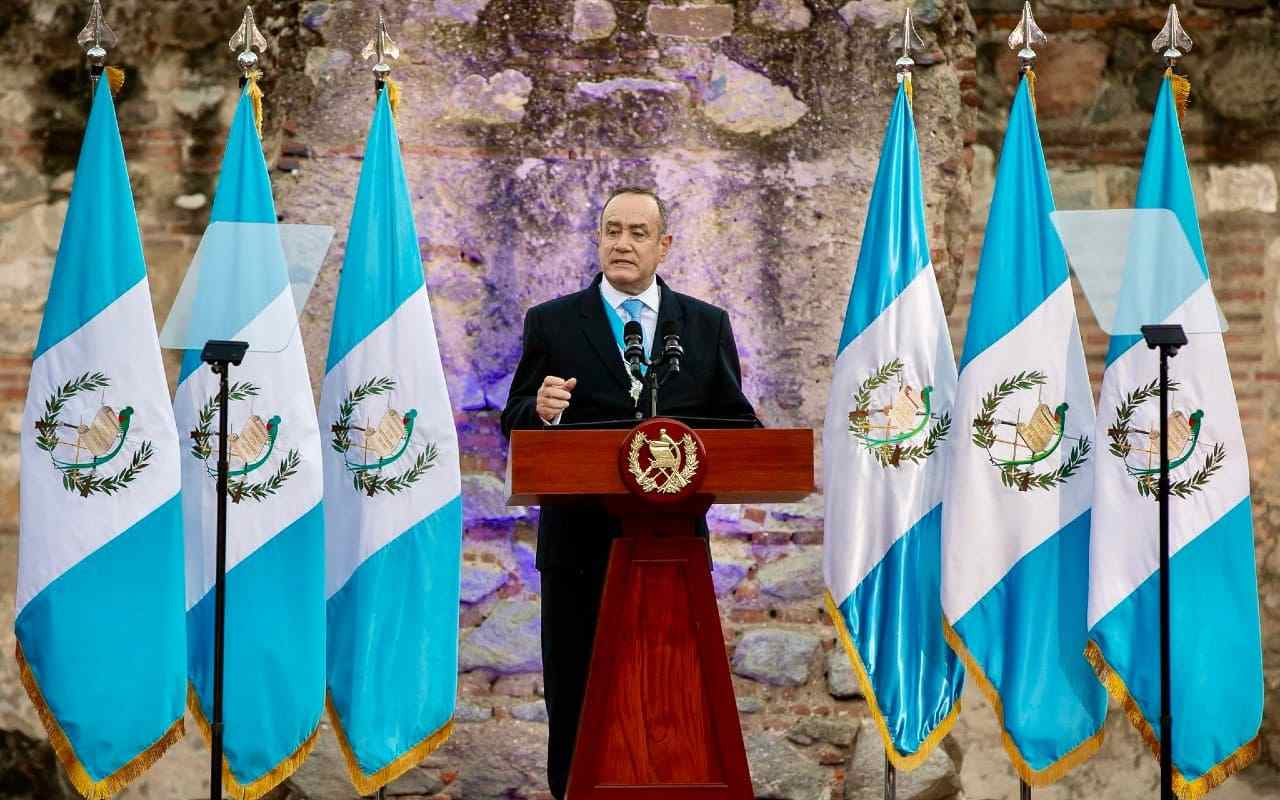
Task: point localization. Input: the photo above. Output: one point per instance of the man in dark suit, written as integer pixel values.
(572, 371)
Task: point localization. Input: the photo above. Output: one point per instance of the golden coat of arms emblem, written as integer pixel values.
(661, 459)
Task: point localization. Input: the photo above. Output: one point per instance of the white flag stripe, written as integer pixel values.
(1123, 553)
(285, 389)
(984, 522)
(406, 338)
(111, 342)
(899, 331)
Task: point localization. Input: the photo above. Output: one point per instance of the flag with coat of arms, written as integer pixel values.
(275, 624)
(100, 629)
(1015, 511)
(1216, 654)
(393, 501)
(884, 446)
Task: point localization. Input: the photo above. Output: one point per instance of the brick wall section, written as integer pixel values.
(173, 111)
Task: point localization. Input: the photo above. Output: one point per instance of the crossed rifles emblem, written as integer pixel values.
(672, 464)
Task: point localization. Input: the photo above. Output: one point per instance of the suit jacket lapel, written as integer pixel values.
(596, 329)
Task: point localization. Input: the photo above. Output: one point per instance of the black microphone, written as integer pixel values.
(633, 342)
(672, 351)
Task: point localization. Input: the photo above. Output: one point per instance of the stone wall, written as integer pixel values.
(1096, 89)
(760, 122)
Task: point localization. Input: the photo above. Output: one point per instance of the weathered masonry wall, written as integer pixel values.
(760, 122)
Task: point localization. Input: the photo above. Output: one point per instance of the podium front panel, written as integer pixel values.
(752, 465)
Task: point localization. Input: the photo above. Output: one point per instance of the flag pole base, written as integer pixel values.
(890, 779)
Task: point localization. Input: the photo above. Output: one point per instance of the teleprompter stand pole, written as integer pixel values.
(220, 356)
(1167, 339)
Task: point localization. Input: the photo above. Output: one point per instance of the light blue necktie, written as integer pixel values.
(633, 307)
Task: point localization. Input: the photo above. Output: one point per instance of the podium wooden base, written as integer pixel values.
(659, 719)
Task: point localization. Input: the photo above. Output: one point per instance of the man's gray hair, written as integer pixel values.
(662, 207)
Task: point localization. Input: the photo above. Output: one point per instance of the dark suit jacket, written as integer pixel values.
(569, 337)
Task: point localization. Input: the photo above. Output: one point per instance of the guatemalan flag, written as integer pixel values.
(1015, 512)
(1217, 653)
(99, 625)
(884, 453)
(274, 685)
(393, 503)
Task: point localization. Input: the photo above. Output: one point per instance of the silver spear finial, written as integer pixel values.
(247, 38)
(910, 41)
(1025, 36)
(382, 48)
(1172, 39)
(94, 39)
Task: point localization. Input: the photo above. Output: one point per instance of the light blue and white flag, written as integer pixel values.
(100, 628)
(393, 503)
(274, 685)
(884, 454)
(1015, 513)
(1216, 647)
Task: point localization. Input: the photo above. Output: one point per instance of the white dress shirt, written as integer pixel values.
(651, 297)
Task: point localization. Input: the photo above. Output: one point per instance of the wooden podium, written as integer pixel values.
(659, 718)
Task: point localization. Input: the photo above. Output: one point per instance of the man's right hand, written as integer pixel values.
(554, 396)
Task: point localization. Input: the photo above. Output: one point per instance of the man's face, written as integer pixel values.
(632, 243)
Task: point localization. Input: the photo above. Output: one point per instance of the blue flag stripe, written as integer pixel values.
(892, 619)
(100, 253)
(1159, 187)
(263, 723)
(894, 243)
(387, 688)
(1022, 260)
(80, 637)
(244, 190)
(388, 240)
(1030, 632)
(1214, 611)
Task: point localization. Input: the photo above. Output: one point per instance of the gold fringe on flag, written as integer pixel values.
(1031, 86)
(1050, 774)
(906, 85)
(251, 791)
(1181, 91)
(900, 761)
(393, 98)
(76, 772)
(115, 79)
(255, 97)
(1183, 788)
(370, 784)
